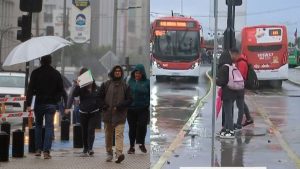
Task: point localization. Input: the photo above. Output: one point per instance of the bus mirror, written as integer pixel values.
(234, 2)
(202, 45)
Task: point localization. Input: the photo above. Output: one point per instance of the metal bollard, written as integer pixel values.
(77, 136)
(65, 129)
(18, 143)
(5, 126)
(25, 123)
(114, 137)
(4, 146)
(31, 144)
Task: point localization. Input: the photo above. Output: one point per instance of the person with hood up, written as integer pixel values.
(228, 95)
(138, 113)
(116, 95)
(89, 108)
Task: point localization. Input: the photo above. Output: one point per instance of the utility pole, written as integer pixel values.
(115, 27)
(214, 84)
(62, 59)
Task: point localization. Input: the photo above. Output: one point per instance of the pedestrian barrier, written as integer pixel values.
(31, 144)
(18, 143)
(4, 146)
(65, 129)
(77, 136)
(5, 126)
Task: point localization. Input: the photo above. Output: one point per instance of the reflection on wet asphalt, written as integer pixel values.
(172, 103)
(257, 145)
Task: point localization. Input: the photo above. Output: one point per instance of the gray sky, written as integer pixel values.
(285, 12)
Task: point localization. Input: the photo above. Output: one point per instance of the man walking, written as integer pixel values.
(116, 95)
(47, 85)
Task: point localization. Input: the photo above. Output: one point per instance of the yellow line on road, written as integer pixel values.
(180, 136)
(292, 155)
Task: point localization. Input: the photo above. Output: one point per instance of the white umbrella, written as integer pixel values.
(35, 48)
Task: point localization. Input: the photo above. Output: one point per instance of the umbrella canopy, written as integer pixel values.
(35, 48)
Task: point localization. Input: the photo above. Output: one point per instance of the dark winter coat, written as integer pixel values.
(89, 101)
(117, 98)
(46, 83)
(223, 77)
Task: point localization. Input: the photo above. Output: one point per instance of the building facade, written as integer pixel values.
(9, 13)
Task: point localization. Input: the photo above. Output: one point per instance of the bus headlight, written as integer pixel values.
(196, 64)
(156, 64)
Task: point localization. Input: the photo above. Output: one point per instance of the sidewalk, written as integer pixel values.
(64, 156)
(70, 158)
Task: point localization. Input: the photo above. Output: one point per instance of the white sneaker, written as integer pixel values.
(228, 134)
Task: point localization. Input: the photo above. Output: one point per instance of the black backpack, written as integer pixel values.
(251, 81)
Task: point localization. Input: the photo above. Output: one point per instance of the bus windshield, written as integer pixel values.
(176, 45)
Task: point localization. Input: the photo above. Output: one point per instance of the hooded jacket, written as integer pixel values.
(223, 77)
(116, 95)
(140, 90)
(242, 65)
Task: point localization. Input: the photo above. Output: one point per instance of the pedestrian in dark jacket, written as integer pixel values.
(116, 95)
(228, 95)
(47, 85)
(89, 108)
(138, 112)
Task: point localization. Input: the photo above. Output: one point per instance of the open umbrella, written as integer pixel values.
(35, 48)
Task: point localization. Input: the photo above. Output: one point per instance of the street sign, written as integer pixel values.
(109, 60)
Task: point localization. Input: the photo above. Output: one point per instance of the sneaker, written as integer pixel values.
(120, 158)
(143, 148)
(38, 153)
(228, 134)
(91, 152)
(131, 150)
(222, 130)
(109, 157)
(247, 122)
(237, 127)
(47, 155)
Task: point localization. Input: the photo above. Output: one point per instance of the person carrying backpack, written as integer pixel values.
(232, 83)
(242, 64)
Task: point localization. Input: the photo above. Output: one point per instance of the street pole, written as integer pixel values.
(62, 60)
(114, 42)
(181, 7)
(214, 84)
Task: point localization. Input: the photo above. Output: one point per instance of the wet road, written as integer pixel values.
(273, 141)
(172, 104)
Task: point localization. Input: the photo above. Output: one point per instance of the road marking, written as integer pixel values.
(180, 136)
(292, 155)
(294, 82)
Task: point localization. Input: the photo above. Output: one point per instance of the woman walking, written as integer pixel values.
(138, 113)
(89, 107)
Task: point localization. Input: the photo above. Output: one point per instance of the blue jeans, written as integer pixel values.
(47, 110)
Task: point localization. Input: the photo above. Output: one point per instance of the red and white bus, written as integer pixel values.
(175, 47)
(266, 48)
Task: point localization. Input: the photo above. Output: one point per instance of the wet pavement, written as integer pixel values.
(65, 156)
(172, 103)
(273, 141)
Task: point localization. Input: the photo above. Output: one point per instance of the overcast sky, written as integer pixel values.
(285, 12)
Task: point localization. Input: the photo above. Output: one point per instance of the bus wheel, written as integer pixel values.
(159, 78)
(276, 84)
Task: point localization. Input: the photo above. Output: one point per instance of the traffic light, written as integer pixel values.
(24, 22)
(31, 5)
(50, 30)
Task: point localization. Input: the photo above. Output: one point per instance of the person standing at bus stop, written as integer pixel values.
(116, 95)
(47, 85)
(138, 113)
(242, 64)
